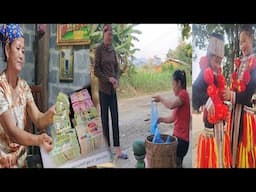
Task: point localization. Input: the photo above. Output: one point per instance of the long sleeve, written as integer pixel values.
(244, 98)
(117, 68)
(199, 95)
(97, 67)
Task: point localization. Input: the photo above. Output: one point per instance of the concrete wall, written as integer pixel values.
(81, 69)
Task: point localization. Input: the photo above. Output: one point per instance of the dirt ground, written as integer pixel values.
(134, 123)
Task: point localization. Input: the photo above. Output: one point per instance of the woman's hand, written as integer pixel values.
(5, 162)
(157, 98)
(159, 120)
(50, 113)
(45, 141)
(211, 110)
(227, 95)
(113, 81)
(115, 84)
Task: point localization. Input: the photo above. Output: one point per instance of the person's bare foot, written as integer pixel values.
(120, 154)
(118, 151)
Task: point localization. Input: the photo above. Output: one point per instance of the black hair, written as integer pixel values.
(180, 75)
(3, 41)
(247, 28)
(105, 29)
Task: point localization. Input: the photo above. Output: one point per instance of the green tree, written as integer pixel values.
(182, 52)
(122, 41)
(185, 31)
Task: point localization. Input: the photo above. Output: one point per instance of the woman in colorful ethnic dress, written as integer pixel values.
(16, 101)
(242, 127)
(213, 144)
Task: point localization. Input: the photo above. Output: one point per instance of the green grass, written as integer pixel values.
(70, 35)
(145, 81)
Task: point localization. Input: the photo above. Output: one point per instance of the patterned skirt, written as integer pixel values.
(213, 149)
(246, 149)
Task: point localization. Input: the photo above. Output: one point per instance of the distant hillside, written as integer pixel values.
(139, 62)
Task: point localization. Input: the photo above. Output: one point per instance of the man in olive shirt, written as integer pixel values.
(107, 70)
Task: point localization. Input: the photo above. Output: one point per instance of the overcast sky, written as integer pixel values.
(156, 39)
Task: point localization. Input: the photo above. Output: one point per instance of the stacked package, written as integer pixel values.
(66, 146)
(88, 125)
